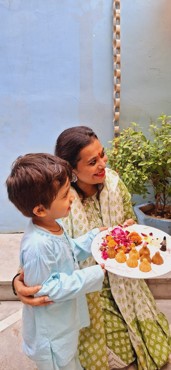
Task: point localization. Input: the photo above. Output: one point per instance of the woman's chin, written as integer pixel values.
(100, 179)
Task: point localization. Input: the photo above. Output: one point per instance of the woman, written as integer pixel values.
(125, 323)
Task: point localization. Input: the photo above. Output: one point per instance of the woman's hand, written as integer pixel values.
(25, 294)
(129, 222)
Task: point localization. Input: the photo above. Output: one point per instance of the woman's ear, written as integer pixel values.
(74, 177)
(39, 211)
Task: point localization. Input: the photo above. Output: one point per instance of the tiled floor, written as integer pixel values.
(11, 356)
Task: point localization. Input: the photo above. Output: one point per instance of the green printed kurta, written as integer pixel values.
(125, 322)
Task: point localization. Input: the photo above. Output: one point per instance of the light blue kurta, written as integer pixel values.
(52, 261)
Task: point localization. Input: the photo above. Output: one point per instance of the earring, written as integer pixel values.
(74, 177)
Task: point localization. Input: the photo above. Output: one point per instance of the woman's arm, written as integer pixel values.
(25, 294)
(82, 244)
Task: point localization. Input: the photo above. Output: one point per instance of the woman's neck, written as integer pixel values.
(88, 189)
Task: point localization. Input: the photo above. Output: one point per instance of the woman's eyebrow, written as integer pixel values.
(98, 154)
(92, 159)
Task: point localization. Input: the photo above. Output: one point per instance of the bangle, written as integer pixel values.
(13, 288)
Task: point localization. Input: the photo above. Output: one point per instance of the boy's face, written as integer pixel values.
(61, 205)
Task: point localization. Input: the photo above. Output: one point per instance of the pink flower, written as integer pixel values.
(120, 236)
(104, 243)
(104, 255)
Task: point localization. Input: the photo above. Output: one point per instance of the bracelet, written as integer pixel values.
(13, 288)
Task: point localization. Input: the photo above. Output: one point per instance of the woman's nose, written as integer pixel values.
(102, 163)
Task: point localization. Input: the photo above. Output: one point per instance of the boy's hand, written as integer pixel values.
(103, 228)
(103, 267)
(129, 222)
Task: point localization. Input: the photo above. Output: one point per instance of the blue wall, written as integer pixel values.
(145, 61)
(55, 72)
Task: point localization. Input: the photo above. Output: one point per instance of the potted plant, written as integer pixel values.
(143, 160)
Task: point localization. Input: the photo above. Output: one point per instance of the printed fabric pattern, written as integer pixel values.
(125, 323)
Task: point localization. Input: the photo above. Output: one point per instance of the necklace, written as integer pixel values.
(50, 230)
(55, 231)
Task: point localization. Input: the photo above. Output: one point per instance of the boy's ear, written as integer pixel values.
(39, 211)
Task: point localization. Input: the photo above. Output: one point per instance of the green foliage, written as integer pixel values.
(141, 161)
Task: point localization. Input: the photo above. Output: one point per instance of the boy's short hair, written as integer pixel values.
(36, 179)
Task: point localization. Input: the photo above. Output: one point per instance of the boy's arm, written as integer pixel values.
(82, 244)
(62, 287)
(37, 271)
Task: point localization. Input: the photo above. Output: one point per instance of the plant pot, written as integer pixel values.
(163, 224)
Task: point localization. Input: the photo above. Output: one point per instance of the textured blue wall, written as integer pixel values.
(55, 71)
(145, 60)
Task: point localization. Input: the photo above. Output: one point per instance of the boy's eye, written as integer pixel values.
(66, 194)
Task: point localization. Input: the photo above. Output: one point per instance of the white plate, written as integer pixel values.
(122, 269)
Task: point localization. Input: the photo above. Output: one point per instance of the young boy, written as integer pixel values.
(39, 186)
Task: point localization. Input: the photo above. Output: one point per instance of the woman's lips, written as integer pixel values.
(100, 174)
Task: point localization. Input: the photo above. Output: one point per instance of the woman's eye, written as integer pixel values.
(93, 163)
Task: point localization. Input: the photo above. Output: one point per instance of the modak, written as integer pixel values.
(147, 256)
(157, 259)
(144, 250)
(145, 266)
(132, 261)
(134, 253)
(120, 256)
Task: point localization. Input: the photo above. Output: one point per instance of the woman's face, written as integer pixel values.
(90, 168)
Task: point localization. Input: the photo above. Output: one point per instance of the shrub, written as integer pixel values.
(141, 161)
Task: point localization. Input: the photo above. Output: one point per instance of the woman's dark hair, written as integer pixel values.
(69, 144)
(71, 141)
(36, 179)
